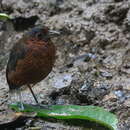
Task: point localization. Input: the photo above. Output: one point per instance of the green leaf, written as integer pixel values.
(4, 16)
(92, 116)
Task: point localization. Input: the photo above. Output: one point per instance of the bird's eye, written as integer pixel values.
(39, 35)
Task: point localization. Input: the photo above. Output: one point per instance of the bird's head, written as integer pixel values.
(42, 33)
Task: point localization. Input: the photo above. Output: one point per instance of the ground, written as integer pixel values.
(97, 29)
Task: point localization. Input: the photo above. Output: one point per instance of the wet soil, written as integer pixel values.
(97, 29)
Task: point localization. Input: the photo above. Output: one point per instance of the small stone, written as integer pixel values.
(119, 93)
(106, 74)
(85, 87)
(109, 97)
(127, 103)
(62, 80)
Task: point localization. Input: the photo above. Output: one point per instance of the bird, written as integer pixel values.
(31, 59)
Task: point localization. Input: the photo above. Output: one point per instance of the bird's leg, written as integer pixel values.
(21, 103)
(38, 104)
(13, 95)
(16, 95)
(33, 94)
(20, 98)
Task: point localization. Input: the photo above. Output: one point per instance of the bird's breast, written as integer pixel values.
(36, 64)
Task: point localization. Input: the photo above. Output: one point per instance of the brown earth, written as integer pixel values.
(98, 28)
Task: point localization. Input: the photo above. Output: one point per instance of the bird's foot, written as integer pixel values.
(21, 106)
(41, 106)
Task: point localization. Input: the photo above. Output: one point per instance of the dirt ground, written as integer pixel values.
(98, 29)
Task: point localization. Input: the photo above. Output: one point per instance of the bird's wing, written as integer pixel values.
(18, 52)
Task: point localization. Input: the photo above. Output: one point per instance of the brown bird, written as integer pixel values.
(31, 59)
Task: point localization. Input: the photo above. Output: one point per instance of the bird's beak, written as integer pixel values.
(54, 33)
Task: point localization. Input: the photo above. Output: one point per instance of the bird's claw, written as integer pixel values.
(41, 106)
(21, 106)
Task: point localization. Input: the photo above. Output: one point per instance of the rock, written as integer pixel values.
(110, 96)
(112, 60)
(97, 28)
(127, 102)
(125, 67)
(127, 21)
(93, 91)
(85, 87)
(117, 13)
(61, 80)
(119, 93)
(106, 74)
